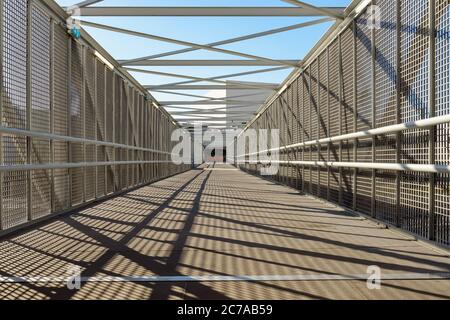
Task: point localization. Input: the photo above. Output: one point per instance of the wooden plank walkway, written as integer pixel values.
(218, 222)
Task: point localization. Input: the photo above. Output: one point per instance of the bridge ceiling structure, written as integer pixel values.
(224, 92)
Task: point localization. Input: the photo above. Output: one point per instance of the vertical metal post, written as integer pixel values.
(96, 137)
(328, 121)
(1, 113)
(105, 109)
(29, 106)
(310, 130)
(69, 120)
(113, 124)
(319, 147)
(398, 147)
(374, 139)
(52, 113)
(340, 79)
(355, 117)
(432, 108)
(83, 114)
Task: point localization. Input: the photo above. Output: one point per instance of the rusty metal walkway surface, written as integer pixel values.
(242, 236)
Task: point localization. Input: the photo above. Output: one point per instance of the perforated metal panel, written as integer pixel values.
(40, 111)
(100, 125)
(76, 122)
(363, 73)
(334, 87)
(54, 84)
(347, 106)
(60, 116)
(90, 118)
(414, 187)
(14, 188)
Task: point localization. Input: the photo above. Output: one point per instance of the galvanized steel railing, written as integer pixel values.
(365, 124)
(75, 128)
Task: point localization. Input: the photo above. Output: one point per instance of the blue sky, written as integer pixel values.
(293, 44)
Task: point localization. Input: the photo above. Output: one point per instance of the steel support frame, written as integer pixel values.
(432, 113)
(1, 111)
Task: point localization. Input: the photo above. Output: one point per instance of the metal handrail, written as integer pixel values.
(49, 166)
(430, 168)
(50, 136)
(425, 123)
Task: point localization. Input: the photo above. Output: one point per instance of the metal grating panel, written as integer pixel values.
(442, 206)
(364, 192)
(347, 106)
(76, 123)
(90, 117)
(334, 87)
(323, 95)
(14, 76)
(414, 191)
(385, 196)
(100, 125)
(40, 111)
(60, 116)
(347, 187)
(363, 74)
(314, 102)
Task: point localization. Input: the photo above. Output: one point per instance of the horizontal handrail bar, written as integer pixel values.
(431, 168)
(425, 123)
(51, 136)
(49, 166)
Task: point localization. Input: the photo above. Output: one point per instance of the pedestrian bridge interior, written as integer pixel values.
(89, 188)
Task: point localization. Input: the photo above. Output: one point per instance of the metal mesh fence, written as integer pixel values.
(55, 85)
(365, 77)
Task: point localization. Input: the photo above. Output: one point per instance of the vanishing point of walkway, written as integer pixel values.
(217, 221)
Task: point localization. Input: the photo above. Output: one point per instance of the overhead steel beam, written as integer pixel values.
(213, 79)
(208, 87)
(233, 40)
(317, 10)
(182, 43)
(207, 63)
(86, 3)
(230, 75)
(205, 97)
(206, 102)
(306, 11)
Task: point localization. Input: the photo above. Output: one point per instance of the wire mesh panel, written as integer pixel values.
(347, 187)
(385, 196)
(14, 76)
(334, 174)
(40, 111)
(323, 95)
(334, 87)
(76, 122)
(363, 73)
(442, 206)
(414, 87)
(364, 191)
(314, 102)
(100, 125)
(347, 107)
(109, 126)
(60, 116)
(90, 118)
(54, 84)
